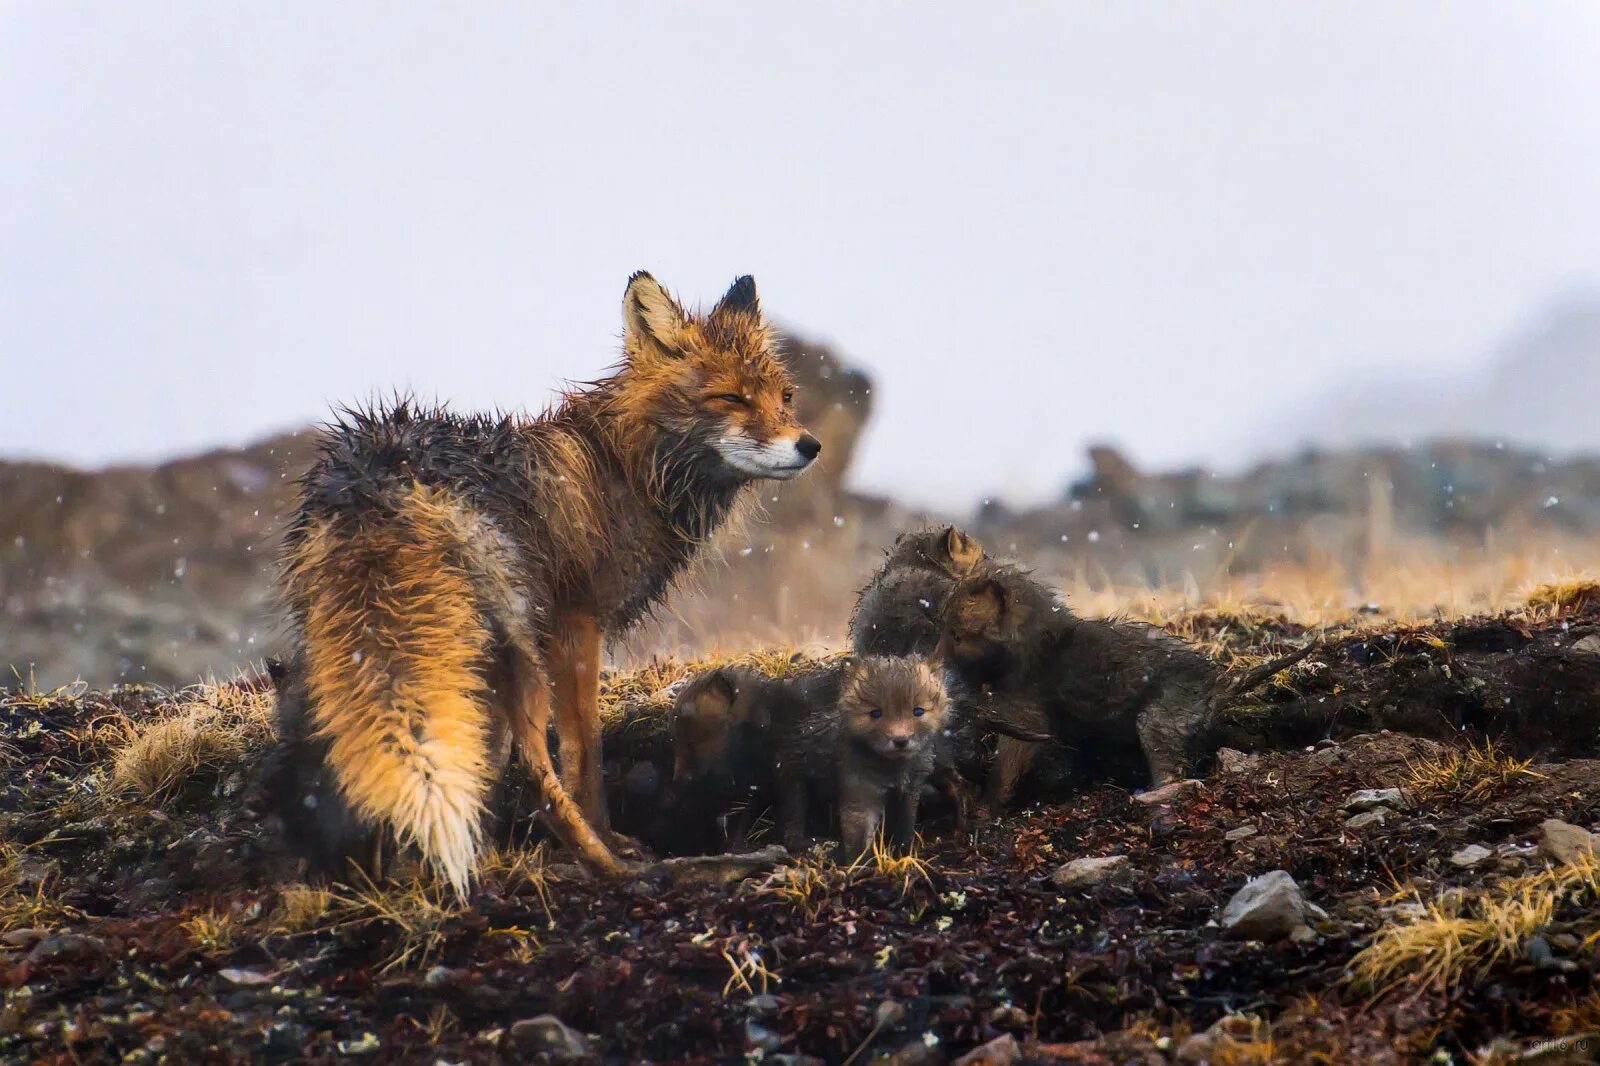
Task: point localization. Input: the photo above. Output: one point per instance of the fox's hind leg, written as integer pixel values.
(574, 660)
(529, 705)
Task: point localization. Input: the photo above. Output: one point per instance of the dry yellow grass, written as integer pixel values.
(212, 931)
(300, 909)
(209, 727)
(416, 911)
(1476, 774)
(1572, 594)
(1463, 936)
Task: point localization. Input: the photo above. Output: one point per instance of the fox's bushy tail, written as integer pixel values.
(394, 645)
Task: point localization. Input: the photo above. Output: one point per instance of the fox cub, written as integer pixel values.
(862, 735)
(901, 611)
(898, 611)
(1093, 679)
(451, 579)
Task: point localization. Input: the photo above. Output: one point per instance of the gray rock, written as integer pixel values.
(66, 947)
(244, 977)
(1470, 856)
(1376, 816)
(1234, 761)
(1244, 832)
(1589, 645)
(763, 1006)
(1080, 873)
(759, 1036)
(1566, 843)
(1370, 798)
(1268, 907)
(1001, 1051)
(22, 939)
(1168, 793)
(1231, 1031)
(1325, 757)
(550, 1035)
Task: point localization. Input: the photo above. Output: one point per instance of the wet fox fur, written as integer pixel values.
(450, 578)
(1106, 680)
(899, 610)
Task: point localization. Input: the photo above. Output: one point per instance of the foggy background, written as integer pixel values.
(1203, 232)
(1326, 279)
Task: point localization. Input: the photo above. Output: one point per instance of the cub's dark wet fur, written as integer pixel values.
(898, 611)
(1093, 680)
(730, 727)
(875, 749)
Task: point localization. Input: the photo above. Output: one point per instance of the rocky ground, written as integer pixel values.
(1401, 871)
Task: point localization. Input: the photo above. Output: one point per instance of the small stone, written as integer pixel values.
(1376, 816)
(244, 977)
(1010, 1015)
(1268, 907)
(1369, 798)
(22, 939)
(758, 1036)
(763, 1006)
(1168, 793)
(1326, 757)
(1470, 856)
(1589, 645)
(549, 1034)
(1234, 761)
(1080, 873)
(443, 977)
(66, 947)
(1566, 843)
(1001, 1051)
(1244, 832)
(1231, 1033)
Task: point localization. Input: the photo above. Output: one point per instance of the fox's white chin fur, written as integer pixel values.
(778, 459)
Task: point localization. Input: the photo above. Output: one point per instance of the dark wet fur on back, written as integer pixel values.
(898, 611)
(1096, 681)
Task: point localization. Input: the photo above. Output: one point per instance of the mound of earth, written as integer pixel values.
(1402, 895)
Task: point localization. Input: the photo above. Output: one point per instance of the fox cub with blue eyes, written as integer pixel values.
(450, 580)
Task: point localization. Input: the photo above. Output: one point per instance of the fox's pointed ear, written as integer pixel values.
(652, 321)
(740, 298)
(964, 552)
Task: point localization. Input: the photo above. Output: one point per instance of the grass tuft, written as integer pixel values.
(1476, 774)
(1461, 937)
(209, 729)
(1572, 594)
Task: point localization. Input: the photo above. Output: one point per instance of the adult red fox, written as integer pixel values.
(450, 579)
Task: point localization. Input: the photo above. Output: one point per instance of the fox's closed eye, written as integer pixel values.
(730, 397)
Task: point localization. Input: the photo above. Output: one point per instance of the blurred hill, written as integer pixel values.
(1536, 388)
(164, 573)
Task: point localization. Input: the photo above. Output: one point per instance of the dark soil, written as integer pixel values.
(109, 963)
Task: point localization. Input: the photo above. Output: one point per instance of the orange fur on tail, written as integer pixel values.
(395, 641)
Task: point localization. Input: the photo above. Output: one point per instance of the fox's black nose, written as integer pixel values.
(808, 446)
(902, 742)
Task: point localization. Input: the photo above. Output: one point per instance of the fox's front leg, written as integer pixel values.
(901, 814)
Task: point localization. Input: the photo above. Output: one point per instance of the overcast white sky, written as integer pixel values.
(1037, 224)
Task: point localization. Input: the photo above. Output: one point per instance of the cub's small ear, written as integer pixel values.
(964, 552)
(740, 298)
(984, 604)
(652, 321)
